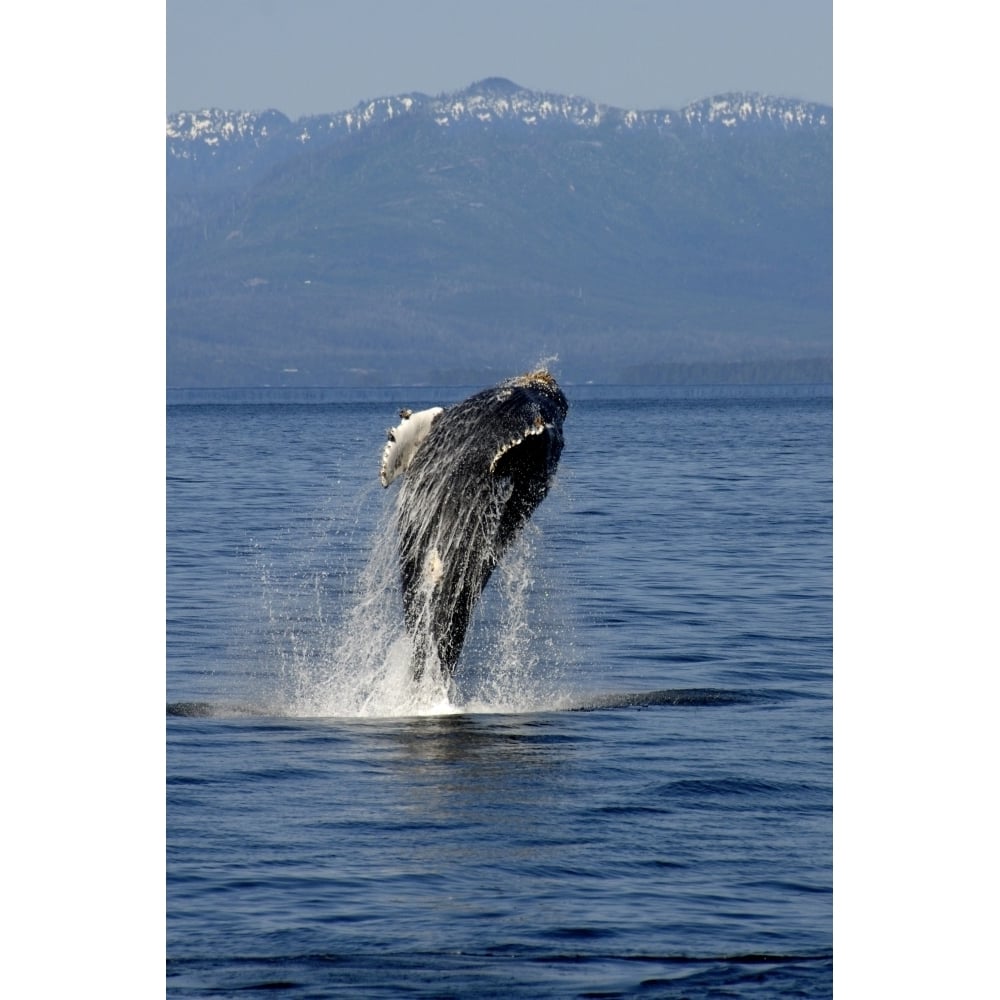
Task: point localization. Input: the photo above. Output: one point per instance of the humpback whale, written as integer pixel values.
(472, 475)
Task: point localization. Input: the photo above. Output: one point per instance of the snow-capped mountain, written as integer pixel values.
(494, 101)
(415, 233)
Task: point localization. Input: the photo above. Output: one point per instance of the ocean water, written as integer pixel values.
(628, 791)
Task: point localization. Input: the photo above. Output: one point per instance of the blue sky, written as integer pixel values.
(313, 56)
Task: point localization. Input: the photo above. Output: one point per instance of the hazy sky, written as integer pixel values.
(313, 56)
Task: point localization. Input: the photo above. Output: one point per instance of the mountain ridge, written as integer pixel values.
(483, 229)
(492, 100)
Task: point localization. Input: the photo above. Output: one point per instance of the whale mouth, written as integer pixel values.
(539, 426)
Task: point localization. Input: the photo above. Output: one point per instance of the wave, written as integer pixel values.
(670, 697)
(675, 696)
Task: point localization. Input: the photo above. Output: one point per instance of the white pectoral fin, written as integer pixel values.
(404, 440)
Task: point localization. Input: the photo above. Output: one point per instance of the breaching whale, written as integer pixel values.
(472, 476)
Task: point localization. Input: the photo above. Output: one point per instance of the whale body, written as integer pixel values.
(472, 475)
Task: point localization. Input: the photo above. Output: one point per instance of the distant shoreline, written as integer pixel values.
(445, 394)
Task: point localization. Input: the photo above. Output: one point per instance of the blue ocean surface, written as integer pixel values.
(628, 791)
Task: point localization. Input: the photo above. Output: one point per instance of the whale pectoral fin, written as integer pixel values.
(404, 440)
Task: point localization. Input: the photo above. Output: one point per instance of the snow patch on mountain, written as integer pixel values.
(493, 101)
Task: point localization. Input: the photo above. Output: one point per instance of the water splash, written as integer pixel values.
(362, 664)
